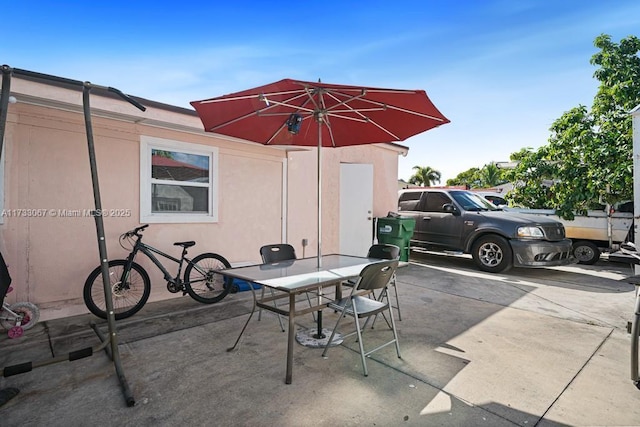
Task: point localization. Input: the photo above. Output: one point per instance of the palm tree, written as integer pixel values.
(425, 176)
(491, 176)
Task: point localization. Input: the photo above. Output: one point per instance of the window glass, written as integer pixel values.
(409, 201)
(179, 198)
(178, 181)
(472, 202)
(435, 200)
(177, 166)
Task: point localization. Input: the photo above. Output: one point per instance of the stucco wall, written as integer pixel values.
(303, 182)
(47, 170)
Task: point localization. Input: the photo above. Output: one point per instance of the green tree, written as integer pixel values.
(589, 155)
(425, 176)
(490, 176)
(469, 178)
(532, 177)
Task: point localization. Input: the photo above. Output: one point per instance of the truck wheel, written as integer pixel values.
(492, 253)
(586, 252)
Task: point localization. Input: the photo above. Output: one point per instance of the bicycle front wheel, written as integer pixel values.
(25, 312)
(201, 280)
(128, 297)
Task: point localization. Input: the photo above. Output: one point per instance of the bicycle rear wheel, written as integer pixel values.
(201, 280)
(128, 298)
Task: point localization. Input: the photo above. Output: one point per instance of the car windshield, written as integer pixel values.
(472, 202)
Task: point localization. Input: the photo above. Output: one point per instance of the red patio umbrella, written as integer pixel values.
(294, 112)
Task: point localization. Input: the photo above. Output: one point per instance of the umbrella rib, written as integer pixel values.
(284, 104)
(404, 110)
(260, 110)
(381, 104)
(343, 102)
(240, 98)
(367, 119)
(282, 126)
(330, 130)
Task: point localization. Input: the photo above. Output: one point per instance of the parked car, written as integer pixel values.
(462, 221)
(495, 198)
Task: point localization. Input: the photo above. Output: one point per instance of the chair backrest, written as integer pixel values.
(277, 252)
(5, 279)
(377, 276)
(384, 251)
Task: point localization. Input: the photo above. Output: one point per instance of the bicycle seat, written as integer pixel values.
(185, 244)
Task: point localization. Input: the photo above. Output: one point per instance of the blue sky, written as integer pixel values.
(501, 70)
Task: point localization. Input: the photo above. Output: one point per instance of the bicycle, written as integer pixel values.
(131, 286)
(19, 316)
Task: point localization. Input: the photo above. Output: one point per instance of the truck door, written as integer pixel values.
(437, 226)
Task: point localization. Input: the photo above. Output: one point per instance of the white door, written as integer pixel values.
(356, 208)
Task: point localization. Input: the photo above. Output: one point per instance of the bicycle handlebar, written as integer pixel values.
(136, 231)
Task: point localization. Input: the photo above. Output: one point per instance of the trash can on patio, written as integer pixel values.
(396, 230)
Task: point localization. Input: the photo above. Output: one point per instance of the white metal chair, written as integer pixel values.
(276, 253)
(358, 305)
(384, 251)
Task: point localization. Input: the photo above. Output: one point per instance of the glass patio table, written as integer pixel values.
(295, 277)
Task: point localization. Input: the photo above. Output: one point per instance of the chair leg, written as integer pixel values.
(360, 344)
(385, 294)
(313, 313)
(261, 298)
(395, 332)
(395, 290)
(275, 304)
(333, 333)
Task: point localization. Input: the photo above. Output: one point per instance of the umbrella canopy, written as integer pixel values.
(294, 112)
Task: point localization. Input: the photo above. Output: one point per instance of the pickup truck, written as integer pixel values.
(462, 221)
(596, 232)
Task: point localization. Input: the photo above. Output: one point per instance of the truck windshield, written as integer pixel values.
(472, 202)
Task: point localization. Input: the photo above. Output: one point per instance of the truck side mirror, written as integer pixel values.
(450, 208)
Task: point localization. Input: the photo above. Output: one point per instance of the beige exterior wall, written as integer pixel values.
(47, 169)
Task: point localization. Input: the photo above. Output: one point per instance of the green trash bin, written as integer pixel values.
(396, 230)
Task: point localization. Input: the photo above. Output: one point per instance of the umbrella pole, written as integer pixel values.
(319, 333)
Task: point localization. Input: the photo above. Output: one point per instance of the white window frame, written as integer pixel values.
(149, 143)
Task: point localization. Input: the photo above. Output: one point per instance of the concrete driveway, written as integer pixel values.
(531, 347)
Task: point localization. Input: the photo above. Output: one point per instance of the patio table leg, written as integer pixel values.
(253, 309)
(292, 329)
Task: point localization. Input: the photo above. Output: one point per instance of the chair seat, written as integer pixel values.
(365, 306)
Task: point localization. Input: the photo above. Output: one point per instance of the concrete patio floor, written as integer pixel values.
(545, 347)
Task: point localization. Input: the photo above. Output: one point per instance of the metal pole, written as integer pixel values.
(102, 248)
(4, 101)
(319, 190)
(319, 334)
(7, 72)
(635, 327)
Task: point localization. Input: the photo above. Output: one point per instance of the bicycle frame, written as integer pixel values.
(149, 252)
